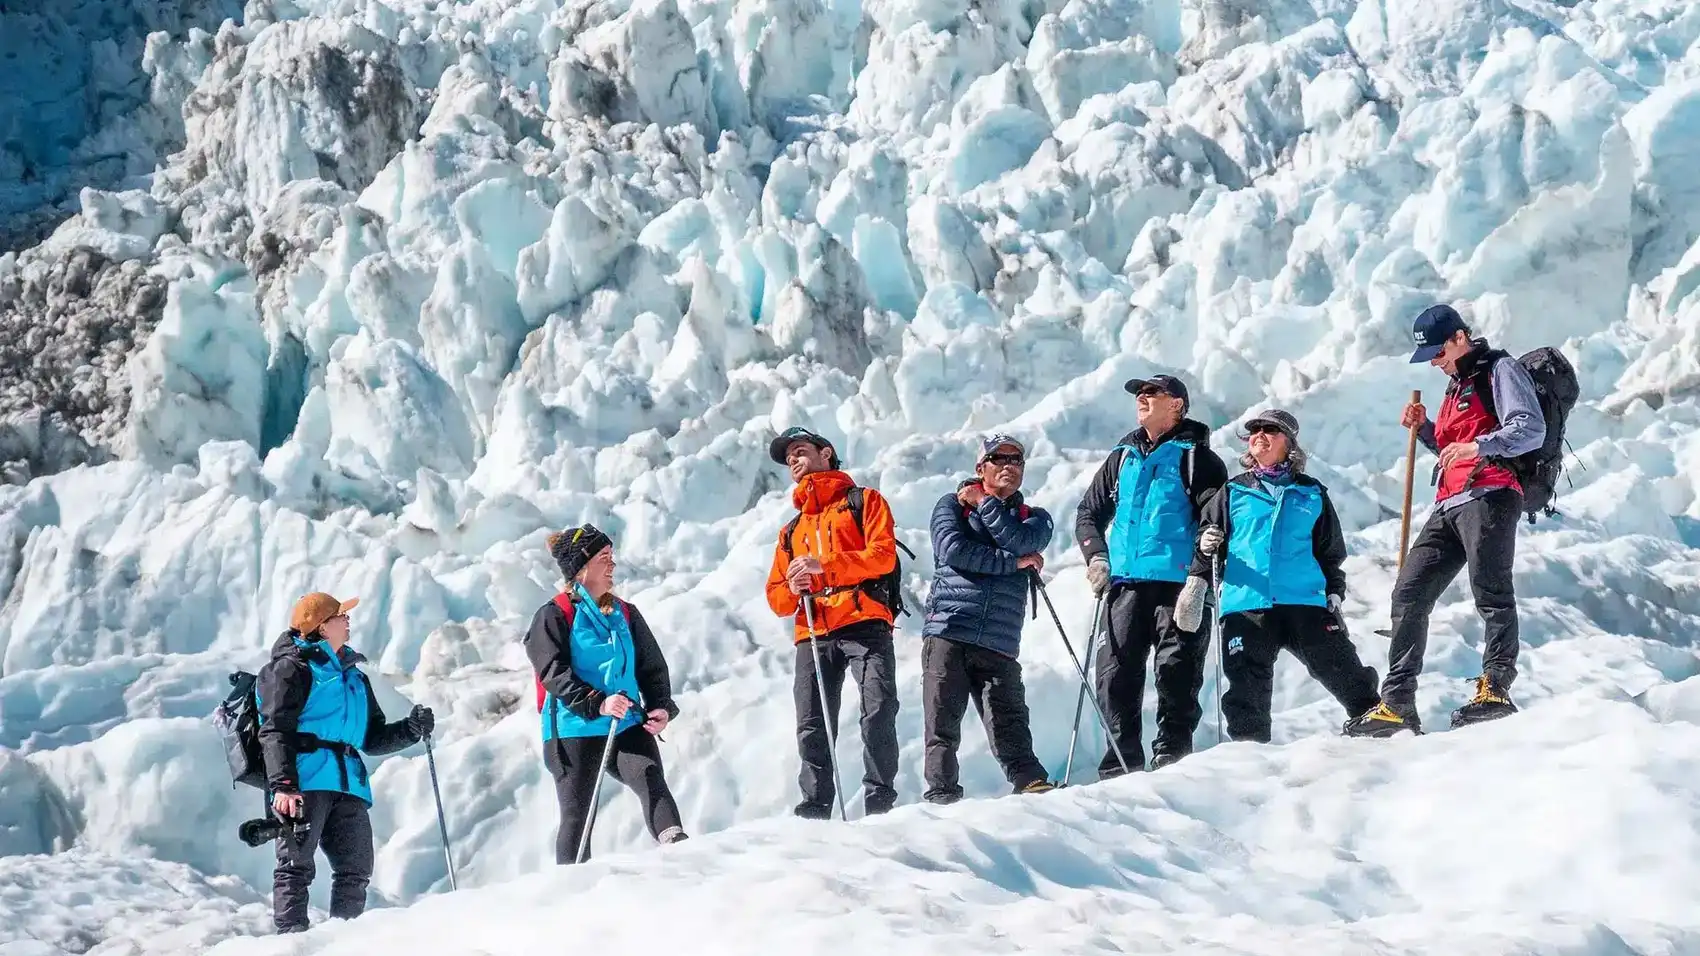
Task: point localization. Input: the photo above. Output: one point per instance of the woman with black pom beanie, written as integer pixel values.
(597, 663)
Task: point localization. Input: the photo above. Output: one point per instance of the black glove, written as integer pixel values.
(420, 722)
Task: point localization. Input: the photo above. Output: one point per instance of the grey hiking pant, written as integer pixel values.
(1480, 534)
(863, 651)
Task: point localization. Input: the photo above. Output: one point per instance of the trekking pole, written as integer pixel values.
(1410, 482)
(1104, 722)
(442, 825)
(1221, 646)
(596, 791)
(1080, 698)
(825, 711)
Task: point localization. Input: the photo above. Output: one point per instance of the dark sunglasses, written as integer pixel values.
(1004, 458)
(1149, 391)
(1263, 429)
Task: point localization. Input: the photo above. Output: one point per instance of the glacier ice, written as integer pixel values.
(415, 282)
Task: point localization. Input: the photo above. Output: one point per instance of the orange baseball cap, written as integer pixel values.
(312, 611)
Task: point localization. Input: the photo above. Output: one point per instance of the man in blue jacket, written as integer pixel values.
(317, 714)
(1136, 526)
(986, 544)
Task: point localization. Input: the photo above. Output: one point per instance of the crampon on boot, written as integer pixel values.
(1490, 703)
(1381, 721)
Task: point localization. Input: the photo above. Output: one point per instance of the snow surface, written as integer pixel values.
(427, 280)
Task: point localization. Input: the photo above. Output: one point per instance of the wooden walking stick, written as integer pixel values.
(1410, 481)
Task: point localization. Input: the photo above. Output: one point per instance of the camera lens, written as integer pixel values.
(256, 832)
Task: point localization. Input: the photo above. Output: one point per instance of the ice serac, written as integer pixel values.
(77, 100)
(34, 817)
(641, 67)
(202, 375)
(306, 99)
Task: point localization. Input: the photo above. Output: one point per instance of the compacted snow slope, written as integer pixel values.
(427, 280)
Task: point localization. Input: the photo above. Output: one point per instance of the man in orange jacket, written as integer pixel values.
(846, 567)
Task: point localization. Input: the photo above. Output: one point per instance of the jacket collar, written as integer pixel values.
(1248, 479)
(1469, 364)
(818, 491)
(1188, 430)
(292, 644)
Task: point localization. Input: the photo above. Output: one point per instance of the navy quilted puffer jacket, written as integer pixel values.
(979, 596)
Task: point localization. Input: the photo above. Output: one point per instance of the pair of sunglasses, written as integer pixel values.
(1149, 391)
(1005, 459)
(1263, 429)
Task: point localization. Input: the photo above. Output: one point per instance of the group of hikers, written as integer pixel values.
(1165, 531)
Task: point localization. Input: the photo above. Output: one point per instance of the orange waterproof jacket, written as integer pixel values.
(846, 558)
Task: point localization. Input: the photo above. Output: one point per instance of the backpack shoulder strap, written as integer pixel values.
(1483, 379)
(786, 534)
(568, 606)
(853, 499)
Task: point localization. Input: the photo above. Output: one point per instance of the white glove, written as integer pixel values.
(1189, 608)
(1098, 574)
(1334, 602)
(1210, 539)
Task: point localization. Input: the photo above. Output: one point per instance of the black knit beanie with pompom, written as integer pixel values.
(573, 548)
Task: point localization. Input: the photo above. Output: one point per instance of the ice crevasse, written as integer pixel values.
(414, 283)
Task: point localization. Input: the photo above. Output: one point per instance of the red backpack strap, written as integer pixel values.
(569, 607)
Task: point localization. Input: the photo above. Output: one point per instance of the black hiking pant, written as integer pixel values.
(1480, 534)
(1252, 639)
(1140, 622)
(864, 651)
(954, 673)
(339, 824)
(574, 762)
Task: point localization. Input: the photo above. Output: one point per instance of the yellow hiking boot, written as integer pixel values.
(1381, 721)
(1490, 703)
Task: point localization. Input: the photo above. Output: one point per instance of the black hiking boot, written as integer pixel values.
(1490, 703)
(1159, 761)
(1381, 721)
(1037, 786)
(942, 796)
(812, 811)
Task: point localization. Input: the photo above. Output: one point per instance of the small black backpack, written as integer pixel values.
(1538, 471)
(238, 721)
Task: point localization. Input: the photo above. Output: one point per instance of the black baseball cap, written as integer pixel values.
(1168, 383)
(1431, 330)
(782, 441)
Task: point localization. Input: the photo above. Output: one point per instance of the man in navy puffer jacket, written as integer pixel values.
(986, 543)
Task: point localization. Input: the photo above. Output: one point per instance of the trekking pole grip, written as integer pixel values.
(1410, 481)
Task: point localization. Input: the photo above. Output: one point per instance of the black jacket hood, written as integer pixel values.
(285, 646)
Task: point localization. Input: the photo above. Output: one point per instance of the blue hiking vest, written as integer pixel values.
(603, 656)
(336, 712)
(1152, 534)
(1271, 559)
